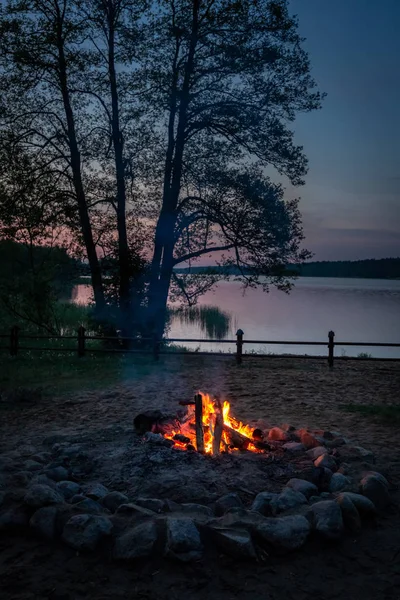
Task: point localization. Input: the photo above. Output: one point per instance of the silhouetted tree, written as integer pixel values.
(225, 80)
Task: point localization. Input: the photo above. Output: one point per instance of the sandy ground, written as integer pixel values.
(304, 393)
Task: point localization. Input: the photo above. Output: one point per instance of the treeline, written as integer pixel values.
(384, 268)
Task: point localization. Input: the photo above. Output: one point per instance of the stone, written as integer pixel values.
(113, 500)
(43, 522)
(20, 479)
(365, 507)
(284, 533)
(43, 480)
(351, 517)
(96, 491)
(14, 519)
(137, 542)
(262, 503)
(26, 450)
(377, 476)
(376, 489)
(77, 498)
(355, 453)
(276, 434)
(84, 532)
(32, 465)
(42, 457)
(328, 521)
(288, 428)
(338, 483)
(287, 500)
(198, 511)
(154, 504)
(68, 488)
(183, 540)
(308, 440)
(145, 421)
(328, 435)
(42, 495)
(294, 447)
(304, 487)
(235, 542)
(315, 453)
(89, 506)
(226, 502)
(6, 463)
(337, 442)
(325, 461)
(57, 473)
(131, 510)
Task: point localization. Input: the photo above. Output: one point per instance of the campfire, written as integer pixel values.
(204, 425)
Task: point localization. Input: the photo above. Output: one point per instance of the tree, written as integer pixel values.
(224, 81)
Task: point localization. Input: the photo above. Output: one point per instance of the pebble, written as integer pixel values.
(338, 483)
(262, 503)
(286, 500)
(376, 489)
(363, 504)
(325, 461)
(113, 500)
(315, 453)
(304, 487)
(226, 502)
(42, 495)
(284, 533)
(235, 543)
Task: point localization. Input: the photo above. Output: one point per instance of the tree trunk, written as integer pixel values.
(86, 227)
(123, 248)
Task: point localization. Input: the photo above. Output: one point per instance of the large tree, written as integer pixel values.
(223, 81)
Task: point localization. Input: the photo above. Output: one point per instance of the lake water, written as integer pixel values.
(363, 310)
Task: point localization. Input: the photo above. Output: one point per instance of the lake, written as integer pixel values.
(364, 310)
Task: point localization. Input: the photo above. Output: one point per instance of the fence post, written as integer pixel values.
(331, 346)
(81, 341)
(156, 347)
(14, 340)
(239, 346)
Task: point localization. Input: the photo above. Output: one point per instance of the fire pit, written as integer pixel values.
(206, 426)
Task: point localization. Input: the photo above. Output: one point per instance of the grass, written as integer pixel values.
(386, 413)
(213, 321)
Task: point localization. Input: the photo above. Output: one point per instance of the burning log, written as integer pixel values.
(218, 426)
(179, 437)
(198, 399)
(262, 445)
(187, 402)
(258, 435)
(236, 439)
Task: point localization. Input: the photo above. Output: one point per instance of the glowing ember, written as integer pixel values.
(231, 426)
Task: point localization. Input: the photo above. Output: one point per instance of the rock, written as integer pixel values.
(113, 500)
(235, 543)
(308, 440)
(57, 473)
(70, 452)
(262, 503)
(337, 442)
(325, 461)
(153, 504)
(351, 518)
(84, 532)
(96, 491)
(276, 434)
(137, 542)
(338, 483)
(294, 447)
(77, 498)
(286, 500)
(198, 511)
(43, 480)
(304, 487)
(328, 520)
(20, 479)
(378, 476)
(42, 457)
(288, 428)
(365, 507)
(68, 489)
(14, 518)
(183, 540)
(6, 463)
(130, 510)
(325, 495)
(315, 453)
(355, 453)
(43, 522)
(157, 439)
(226, 502)
(284, 533)
(32, 465)
(328, 435)
(42, 495)
(376, 489)
(26, 450)
(145, 421)
(89, 506)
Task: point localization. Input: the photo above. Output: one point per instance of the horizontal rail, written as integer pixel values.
(295, 343)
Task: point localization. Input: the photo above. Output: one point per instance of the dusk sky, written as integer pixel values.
(351, 200)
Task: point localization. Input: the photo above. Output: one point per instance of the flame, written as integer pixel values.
(211, 408)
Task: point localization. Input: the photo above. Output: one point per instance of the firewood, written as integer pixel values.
(187, 402)
(236, 439)
(218, 425)
(199, 422)
(179, 437)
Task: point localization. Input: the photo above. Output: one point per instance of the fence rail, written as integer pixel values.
(154, 345)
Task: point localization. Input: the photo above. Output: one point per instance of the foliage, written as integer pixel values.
(213, 321)
(384, 268)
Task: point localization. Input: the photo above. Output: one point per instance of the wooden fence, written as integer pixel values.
(154, 346)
